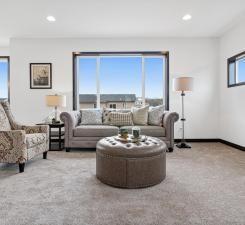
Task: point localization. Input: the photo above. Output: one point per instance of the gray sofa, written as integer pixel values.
(87, 136)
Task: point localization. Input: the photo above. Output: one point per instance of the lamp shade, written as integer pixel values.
(56, 100)
(183, 84)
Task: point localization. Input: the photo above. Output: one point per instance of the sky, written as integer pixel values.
(122, 75)
(3, 79)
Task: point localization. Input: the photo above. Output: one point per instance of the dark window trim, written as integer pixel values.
(165, 53)
(230, 60)
(8, 59)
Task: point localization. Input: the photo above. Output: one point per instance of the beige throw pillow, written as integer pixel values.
(120, 119)
(140, 115)
(106, 113)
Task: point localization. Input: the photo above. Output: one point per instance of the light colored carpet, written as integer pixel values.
(204, 185)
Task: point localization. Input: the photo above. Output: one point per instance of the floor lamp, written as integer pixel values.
(183, 84)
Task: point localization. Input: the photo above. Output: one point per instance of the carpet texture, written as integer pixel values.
(204, 185)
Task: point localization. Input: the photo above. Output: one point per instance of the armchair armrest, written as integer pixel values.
(71, 120)
(169, 118)
(13, 146)
(35, 129)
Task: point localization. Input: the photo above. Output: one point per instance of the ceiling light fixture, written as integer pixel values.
(51, 18)
(186, 17)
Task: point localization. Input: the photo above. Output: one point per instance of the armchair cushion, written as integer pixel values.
(4, 122)
(35, 139)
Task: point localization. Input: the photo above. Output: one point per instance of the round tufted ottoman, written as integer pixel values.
(131, 165)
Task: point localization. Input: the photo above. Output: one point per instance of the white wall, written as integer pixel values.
(4, 51)
(232, 100)
(190, 57)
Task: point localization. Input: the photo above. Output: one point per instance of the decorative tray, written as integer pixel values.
(131, 139)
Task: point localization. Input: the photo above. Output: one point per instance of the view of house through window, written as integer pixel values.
(120, 81)
(4, 77)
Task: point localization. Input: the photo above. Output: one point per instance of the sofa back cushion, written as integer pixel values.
(4, 121)
(91, 116)
(155, 115)
(120, 119)
(140, 115)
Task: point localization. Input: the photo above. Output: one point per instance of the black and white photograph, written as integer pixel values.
(40, 75)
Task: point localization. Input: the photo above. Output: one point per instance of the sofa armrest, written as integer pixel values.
(71, 120)
(169, 118)
(13, 148)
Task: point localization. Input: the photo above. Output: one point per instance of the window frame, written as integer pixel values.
(231, 60)
(143, 54)
(8, 59)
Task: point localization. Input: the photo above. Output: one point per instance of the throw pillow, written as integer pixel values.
(155, 115)
(4, 121)
(120, 119)
(91, 117)
(140, 115)
(106, 113)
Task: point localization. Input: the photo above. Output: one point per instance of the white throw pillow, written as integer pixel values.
(140, 115)
(91, 116)
(106, 113)
(155, 115)
(120, 119)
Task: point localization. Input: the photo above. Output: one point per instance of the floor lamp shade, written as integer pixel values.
(183, 84)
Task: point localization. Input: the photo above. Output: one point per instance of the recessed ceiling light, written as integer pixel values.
(51, 18)
(186, 17)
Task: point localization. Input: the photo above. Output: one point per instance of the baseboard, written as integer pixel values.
(199, 140)
(232, 144)
(242, 148)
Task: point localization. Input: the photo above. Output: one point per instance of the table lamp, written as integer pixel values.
(56, 101)
(183, 84)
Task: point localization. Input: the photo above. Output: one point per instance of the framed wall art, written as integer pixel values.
(41, 75)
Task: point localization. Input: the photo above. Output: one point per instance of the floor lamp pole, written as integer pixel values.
(183, 143)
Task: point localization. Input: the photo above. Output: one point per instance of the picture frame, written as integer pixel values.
(40, 75)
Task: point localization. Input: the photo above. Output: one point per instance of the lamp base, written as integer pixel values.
(183, 145)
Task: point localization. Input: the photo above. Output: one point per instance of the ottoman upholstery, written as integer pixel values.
(131, 165)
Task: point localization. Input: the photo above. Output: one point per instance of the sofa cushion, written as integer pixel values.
(91, 116)
(120, 119)
(35, 139)
(95, 131)
(4, 121)
(155, 115)
(140, 115)
(154, 131)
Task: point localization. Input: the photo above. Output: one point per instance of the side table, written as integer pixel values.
(56, 135)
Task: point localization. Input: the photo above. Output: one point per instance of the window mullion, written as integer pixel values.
(143, 79)
(98, 80)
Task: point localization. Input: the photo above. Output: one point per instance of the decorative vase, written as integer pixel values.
(136, 132)
(124, 133)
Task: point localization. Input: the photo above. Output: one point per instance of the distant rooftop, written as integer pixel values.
(91, 98)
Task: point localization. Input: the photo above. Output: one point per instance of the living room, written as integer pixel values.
(199, 41)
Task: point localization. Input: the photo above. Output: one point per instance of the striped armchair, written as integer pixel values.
(20, 143)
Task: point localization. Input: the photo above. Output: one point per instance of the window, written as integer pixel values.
(236, 70)
(120, 80)
(4, 77)
(113, 106)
